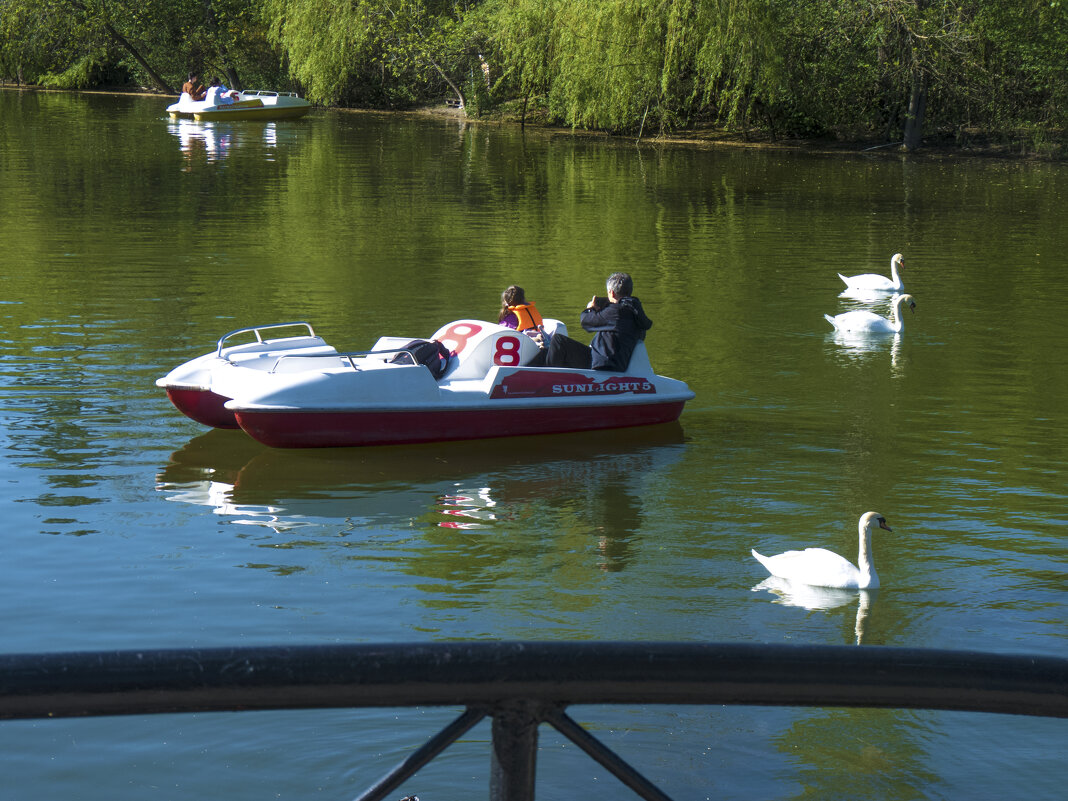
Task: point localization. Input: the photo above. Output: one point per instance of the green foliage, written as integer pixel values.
(89, 70)
(325, 43)
(151, 42)
(336, 50)
(847, 68)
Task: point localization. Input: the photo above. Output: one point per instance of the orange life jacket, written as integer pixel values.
(526, 315)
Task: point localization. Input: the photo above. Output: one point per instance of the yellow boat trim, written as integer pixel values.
(252, 110)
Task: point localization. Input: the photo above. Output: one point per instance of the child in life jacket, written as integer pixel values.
(522, 315)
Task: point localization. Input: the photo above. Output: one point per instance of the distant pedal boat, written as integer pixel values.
(298, 392)
(253, 104)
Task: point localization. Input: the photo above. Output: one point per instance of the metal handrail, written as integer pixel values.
(267, 93)
(256, 329)
(521, 685)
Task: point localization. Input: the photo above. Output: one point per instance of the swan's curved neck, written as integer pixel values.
(864, 561)
(893, 271)
(895, 314)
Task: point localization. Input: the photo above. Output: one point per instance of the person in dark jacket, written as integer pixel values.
(618, 323)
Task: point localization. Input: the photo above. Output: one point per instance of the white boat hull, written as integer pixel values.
(302, 398)
(251, 105)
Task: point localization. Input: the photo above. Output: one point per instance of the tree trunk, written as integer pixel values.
(917, 107)
(118, 37)
(232, 79)
(913, 134)
(449, 81)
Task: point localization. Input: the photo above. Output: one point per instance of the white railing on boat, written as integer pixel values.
(267, 93)
(257, 329)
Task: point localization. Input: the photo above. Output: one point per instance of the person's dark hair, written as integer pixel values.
(192, 76)
(620, 285)
(214, 81)
(512, 296)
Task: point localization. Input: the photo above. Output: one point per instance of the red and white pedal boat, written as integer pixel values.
(299, 392)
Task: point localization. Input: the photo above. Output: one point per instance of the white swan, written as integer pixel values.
(824, 568)
(862, 320)
(880, 283)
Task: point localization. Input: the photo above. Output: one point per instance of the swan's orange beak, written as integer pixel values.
(882, 524)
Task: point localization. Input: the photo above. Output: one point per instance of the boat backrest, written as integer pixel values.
(551, 326)
(478, 345)
(639, 361)
(298, 363)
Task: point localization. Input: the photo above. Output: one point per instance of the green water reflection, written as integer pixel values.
(131, 243)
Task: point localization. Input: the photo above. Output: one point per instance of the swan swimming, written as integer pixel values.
(823, 568)
(862, 320)
(880, 283)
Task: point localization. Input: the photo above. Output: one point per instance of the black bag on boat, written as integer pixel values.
(429, 352)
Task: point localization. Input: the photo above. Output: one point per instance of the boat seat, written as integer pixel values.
(639, 361)
(477, 346)
(553, 327)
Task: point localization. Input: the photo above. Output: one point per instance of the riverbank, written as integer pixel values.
(976, 144)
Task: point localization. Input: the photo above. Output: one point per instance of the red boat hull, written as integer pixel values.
(341, 429)
(204, 406)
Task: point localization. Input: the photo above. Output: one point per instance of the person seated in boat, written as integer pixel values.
(193, 88)
(522, 315)
(218, 94)
(232, 93)
(618, 324)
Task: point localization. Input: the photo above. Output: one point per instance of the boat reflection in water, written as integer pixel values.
(213, 141)
(202, 139)
(524, 482)
(807, 596)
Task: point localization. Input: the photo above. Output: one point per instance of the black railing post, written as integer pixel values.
(514, 751)
(421, 756)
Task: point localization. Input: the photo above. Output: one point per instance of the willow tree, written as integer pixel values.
(738, 58)
(622, 64)
(324, 43)
(521, 35)
(332, 48)
(607, 62)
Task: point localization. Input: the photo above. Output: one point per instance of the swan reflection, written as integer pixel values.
(860, 347)
(866, 297)
(807, 596)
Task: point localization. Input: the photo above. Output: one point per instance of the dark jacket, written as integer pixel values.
(618, 328)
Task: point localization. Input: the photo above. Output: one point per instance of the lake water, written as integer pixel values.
(130, 243)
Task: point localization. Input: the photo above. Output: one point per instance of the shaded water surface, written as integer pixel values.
(131, 243)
